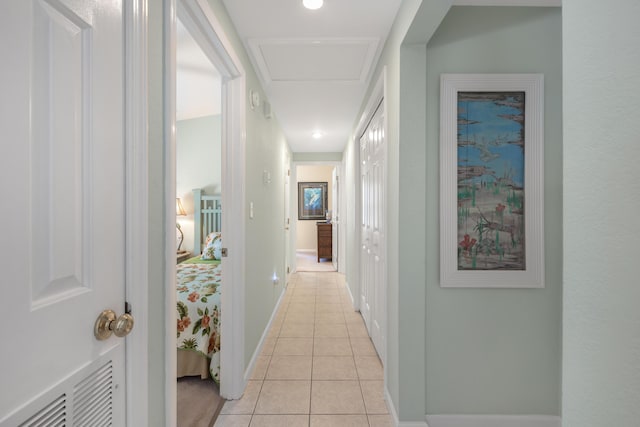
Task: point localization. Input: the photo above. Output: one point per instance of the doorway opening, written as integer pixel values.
(202, 25)
(198, 191)
(316, 220)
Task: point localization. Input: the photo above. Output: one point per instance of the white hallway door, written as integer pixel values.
(62, 186)
(372, 260)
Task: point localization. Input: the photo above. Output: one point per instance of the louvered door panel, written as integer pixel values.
(92, 400)
(53, 414)
(83, 399)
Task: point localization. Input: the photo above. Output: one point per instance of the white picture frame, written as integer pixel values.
(508, 248)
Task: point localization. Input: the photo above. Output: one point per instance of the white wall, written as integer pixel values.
(198, 165)
(601, 323)
(306, 236)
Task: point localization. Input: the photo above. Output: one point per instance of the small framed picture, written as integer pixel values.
(312, 200)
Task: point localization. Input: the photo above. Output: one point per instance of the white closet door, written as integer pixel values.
(373, 253)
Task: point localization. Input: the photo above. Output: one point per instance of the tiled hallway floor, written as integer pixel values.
(318, 366)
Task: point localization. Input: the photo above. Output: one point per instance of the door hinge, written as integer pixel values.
(288, 172)
(225, 252)
(288, 269)
(127, 307)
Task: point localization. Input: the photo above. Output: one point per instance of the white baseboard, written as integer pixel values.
(353, 301)
(493, 421)
(394, 414)
(474, 420)
(256, 353)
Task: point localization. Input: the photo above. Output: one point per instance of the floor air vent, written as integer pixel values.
(52, 415)
(93, 398)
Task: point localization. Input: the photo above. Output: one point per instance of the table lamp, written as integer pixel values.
(179, 212)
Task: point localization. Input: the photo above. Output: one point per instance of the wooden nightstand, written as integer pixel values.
(182, 256)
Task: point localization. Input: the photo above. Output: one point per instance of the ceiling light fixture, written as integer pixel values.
(316, 134)
(312, 4)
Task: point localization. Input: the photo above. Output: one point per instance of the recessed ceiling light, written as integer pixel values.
(312, 4)
(316, 134)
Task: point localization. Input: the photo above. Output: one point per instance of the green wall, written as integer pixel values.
(462, 351)
(601, 360)
(266, 150)
(496, 351)
(198, 165)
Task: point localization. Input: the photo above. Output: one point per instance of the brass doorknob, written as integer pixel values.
(107, 324)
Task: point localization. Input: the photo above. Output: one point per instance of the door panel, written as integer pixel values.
(373, 272)
(63, 177)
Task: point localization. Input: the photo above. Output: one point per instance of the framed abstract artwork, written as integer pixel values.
(312, 200)
(492, 180)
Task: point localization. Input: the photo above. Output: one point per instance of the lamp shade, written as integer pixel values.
(179, 209)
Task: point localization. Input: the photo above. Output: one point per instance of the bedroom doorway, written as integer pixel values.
(201, 24)
(198, 210)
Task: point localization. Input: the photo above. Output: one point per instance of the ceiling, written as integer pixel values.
(198, 83)
(315, 65)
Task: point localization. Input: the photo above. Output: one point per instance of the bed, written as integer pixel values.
(198, 294)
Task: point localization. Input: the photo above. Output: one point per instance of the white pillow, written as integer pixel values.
(213, 246)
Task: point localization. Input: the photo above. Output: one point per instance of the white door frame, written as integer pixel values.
(294, 204)
(198, 17)
(379, 93)
(136, 234)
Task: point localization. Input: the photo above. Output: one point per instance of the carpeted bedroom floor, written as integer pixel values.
(199, 402)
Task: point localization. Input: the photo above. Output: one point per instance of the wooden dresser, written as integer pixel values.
(324, 240)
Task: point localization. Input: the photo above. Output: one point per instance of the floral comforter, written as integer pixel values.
(198, 311)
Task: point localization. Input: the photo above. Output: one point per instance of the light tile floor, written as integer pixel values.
(318, 366)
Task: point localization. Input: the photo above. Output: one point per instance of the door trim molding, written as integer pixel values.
(198, 17)
(137, 194)
(169, 31)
